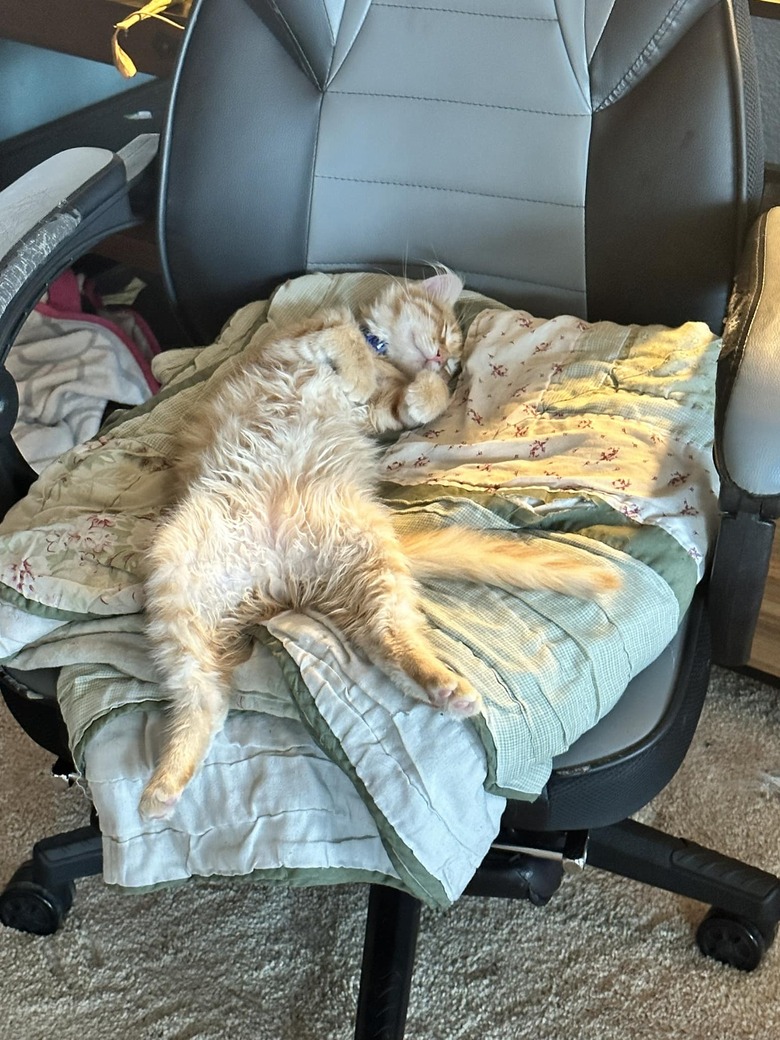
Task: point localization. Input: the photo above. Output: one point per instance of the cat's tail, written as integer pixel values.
(508, 560)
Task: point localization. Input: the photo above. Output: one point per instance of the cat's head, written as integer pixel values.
(413, 324)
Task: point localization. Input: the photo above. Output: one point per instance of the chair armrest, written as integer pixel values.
(58, 211)
(747, 444)
(748, 416)
(48, 217)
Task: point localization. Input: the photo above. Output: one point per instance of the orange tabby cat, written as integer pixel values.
(279, 512)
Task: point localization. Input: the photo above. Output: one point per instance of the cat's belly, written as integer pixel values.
(301, 508)
(312, 541)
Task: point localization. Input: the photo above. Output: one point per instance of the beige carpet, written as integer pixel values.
(606, 960)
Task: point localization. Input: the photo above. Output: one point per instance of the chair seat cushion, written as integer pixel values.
(596, 436)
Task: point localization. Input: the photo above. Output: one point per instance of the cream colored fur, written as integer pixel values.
(278, 511)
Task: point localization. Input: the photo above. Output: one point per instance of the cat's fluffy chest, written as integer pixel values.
(274, 429)
(289, 461)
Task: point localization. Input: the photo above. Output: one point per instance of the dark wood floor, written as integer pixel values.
(766, 642)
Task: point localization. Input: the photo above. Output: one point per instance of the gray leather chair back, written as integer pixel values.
(560, 155)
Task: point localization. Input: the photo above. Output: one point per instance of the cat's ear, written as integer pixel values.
(445, 286)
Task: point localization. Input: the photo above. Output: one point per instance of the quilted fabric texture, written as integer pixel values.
(595, 436)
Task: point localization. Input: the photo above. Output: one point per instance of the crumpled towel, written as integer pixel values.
(73, 357)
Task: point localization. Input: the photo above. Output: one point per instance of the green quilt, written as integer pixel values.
(596, 436)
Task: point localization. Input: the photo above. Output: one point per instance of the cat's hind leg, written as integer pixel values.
(410, 654)
(190, 730)
(198, 686)
(386, 622)
(194, 628)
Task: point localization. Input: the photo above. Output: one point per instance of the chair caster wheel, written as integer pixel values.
(29, 907)
(734, 940)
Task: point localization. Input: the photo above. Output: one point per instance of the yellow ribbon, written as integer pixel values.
(153, 9)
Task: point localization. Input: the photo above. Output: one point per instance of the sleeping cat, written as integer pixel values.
(278, 511)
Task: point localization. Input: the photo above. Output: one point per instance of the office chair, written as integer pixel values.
(600, 158)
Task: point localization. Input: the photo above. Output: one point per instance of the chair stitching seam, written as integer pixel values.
(584, 94)
(472, 14)
(294, 39)
(457, 101)
(603, 28)
(328, 20)
(644, 54)
(315, 152)
(437, 187)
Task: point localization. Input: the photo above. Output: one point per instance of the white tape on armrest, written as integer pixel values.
(30, 199)
(37, 246)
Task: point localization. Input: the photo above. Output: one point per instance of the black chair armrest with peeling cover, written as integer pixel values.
(53, 214)
(747, 449)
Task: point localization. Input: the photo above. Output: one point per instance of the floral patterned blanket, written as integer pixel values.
(598, 436)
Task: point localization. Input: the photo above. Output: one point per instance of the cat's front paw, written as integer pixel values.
(360, 381)
(425, 398)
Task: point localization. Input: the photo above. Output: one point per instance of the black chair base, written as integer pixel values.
(738, 930)
(40, 893)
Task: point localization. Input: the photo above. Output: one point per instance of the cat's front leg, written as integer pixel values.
(424, 399)
(345, 350)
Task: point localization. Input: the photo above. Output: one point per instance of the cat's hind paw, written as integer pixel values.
(457, 697)
(157, 801)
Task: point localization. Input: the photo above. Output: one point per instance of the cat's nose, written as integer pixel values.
(435, 362)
